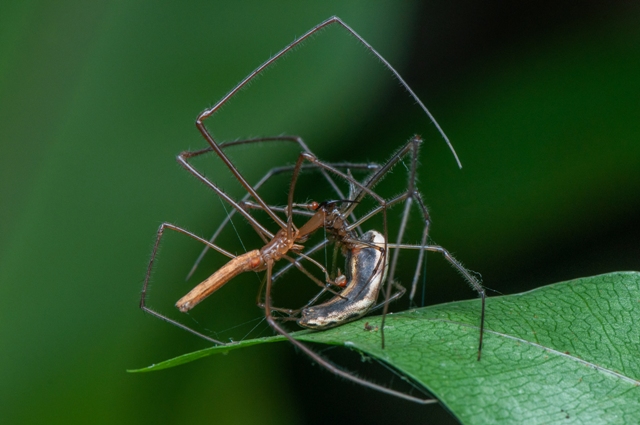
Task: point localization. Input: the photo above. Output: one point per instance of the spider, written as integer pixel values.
(367, 254)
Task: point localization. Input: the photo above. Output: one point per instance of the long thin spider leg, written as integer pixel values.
(298, 140)
(388, 292)
(425, 236)
(381, 264)
(145, 286)
(183, 160)
(333, 20)
(381, 172)
(218, 150)
(362, 186)
(414, 144)
(394, 261)
(366, 188)
(326, 287)
(473, 282)
(400, 292)
(412, 149)
(253, 206)
(292, 187)
(323, 285)
(388, 204)
(310, 251)
(251, 223)
(322, 361)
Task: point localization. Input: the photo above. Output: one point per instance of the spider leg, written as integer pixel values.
(466, 274)
(145, 286)
(324, 362)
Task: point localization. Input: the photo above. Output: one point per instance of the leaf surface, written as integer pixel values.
(564, 353)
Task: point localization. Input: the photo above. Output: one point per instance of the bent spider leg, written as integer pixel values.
(183, 160)
(408, 197)
(309, 252)
(325, 288)
(333, 20)
(145, 286)
(425, 237)
(324, 362)
(414, 194)
(400, 290)
(473, 282)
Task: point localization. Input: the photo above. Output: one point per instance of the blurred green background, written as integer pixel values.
(541, 101)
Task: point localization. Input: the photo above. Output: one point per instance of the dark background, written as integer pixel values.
(540, 99)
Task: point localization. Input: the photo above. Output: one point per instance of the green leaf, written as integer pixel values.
(219, 349)
(568, 351)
